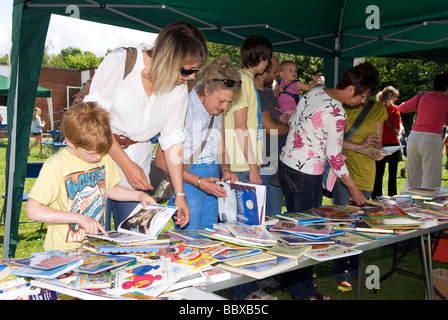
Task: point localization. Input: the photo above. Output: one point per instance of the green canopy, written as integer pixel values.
(4, 89)
(337, 30)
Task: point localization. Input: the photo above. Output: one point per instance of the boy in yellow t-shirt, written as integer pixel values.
(71, 191)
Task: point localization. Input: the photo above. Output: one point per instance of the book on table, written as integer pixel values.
(250, 232)
(141, 225)
(394, 222)
(264, 269)
(331, 252)
(285, 250)
(333, 214)
(262, 257)
(302, 218)
(293, 240)
(298, 228)
(245, 203)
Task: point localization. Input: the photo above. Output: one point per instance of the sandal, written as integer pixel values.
(344, 286)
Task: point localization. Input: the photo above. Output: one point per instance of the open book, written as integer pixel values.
(245, 203)
(386, 150)
(141, 225)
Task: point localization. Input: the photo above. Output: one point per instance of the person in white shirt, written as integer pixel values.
(150, 100)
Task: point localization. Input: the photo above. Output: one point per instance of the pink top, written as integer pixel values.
(432, 112)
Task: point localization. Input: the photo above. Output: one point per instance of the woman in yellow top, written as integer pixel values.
(362, 168)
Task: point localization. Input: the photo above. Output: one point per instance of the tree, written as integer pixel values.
(72, 58)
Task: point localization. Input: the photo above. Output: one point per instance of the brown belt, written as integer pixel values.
(124, 141)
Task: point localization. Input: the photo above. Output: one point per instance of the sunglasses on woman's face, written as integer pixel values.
(187, 73)
(229, 83)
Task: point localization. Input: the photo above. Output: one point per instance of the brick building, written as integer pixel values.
(63, 83)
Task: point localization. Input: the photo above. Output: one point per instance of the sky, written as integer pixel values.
(64, 32)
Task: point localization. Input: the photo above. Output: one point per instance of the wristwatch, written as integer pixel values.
(179, 194)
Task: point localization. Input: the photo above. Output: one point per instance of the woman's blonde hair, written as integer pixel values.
(220, 68)
(87, 126)
(177, 44)
(386, 96)
(36, 110)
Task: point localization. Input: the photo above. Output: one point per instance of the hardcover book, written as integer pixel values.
(331, 252)
(245, 203)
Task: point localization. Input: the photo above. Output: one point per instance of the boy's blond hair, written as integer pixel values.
(87, 126)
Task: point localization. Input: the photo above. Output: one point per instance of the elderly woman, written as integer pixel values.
(151, 99)
(219, 84)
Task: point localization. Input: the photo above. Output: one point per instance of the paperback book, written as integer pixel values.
(299, 217)
(293, 240)
(262, 257)
(333, 214)
(264, 269)
(297, 228)
(331, 252)
(385, 150)
(285, 250)
(393, 222)
(95, 263)
(182, 254)
(251, 232)
(141, 225)
(236, 253)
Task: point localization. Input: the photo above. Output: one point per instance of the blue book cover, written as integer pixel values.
(247, 208)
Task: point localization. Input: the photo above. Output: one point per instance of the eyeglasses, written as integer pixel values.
(229, 83)
(186, 73)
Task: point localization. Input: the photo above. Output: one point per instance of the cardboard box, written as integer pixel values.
(440, 280)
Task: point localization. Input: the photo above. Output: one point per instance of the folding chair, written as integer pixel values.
(32, 171)
(58, 141)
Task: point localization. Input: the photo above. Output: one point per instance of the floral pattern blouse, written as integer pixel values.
(316, 135)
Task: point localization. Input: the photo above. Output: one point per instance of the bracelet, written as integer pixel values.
(179, 194)
(199, 182)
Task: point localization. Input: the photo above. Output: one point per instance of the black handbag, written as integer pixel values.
(161, 181)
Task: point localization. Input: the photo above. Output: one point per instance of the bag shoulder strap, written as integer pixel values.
(131, 58)
(359, 120)
(196, 154)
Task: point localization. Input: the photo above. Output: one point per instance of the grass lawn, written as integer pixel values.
(398, 286)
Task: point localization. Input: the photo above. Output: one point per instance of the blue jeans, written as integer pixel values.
(345, 268)
(243, 290)
(203, 206)
(302, 192)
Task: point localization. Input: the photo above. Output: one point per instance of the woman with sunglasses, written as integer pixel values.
(150, 100)
(219, 84)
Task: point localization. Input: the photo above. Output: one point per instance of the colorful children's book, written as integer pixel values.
(285, 250)
(182, 254)
(236, 253)
(262, 270)
(333, 214)
(293, 240)
(250, 260)
(393, 222)
(185, 235)
(302, 218)
(101, 280)
(142, 224)
(47, 274)
(117, 248)
(251, 232)
(95, 263)
(46, 261)
(297, 228)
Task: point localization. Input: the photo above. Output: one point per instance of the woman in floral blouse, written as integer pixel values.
(316, 136)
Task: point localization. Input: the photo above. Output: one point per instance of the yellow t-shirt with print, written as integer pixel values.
(68, 183)
(362, 168)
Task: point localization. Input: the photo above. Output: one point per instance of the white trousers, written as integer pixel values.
(424, 160)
